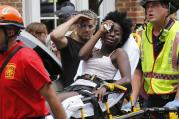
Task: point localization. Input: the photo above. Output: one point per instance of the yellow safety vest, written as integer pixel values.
(162, 72)
(137, 35)
(137, 38)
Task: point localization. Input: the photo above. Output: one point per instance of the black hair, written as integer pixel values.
(121, 19)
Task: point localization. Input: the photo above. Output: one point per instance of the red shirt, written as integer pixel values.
(20, 82)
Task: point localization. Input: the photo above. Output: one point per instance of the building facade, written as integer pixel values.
(43, 10)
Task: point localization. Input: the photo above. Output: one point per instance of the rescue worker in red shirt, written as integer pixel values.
(24, 82)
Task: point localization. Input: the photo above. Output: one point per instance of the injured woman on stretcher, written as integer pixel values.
(100, 66)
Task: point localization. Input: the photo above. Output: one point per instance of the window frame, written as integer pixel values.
(31, 9)
(177, 15)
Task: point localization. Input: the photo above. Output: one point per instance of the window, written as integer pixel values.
(43, 10)
(47, 10)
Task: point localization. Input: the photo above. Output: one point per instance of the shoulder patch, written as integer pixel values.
(10, 71)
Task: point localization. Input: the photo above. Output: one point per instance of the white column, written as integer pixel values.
(31, 11)
(81, 4)
(178, 15)
(105, 7)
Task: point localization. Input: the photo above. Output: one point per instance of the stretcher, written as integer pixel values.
(135, 113)
(82, 107)
(146, 113)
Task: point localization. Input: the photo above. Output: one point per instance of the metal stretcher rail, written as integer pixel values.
(147, 110)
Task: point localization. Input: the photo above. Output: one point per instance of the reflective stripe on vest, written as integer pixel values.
(161, 73)
(161, 76)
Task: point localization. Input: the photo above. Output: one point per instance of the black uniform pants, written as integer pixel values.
(159, 101)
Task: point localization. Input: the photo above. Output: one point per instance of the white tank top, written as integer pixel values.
(101, 67)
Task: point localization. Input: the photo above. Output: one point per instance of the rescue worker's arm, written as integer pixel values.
(48, 92)
(177, 94)
(175, 102)
(177, 86)
(58, 34)
(136, 83)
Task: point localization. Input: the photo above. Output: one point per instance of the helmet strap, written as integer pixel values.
(5, 45)
(8, 36)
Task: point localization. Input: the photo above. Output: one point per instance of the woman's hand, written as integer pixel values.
(100, 93)
(106, 26)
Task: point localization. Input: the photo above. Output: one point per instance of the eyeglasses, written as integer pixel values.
(86, 25)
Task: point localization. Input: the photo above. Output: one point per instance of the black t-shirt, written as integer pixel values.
(70, 61)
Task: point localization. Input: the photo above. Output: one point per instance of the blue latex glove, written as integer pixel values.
(127, 107)
(173, 104)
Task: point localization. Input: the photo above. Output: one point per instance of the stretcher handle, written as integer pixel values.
(117, 86)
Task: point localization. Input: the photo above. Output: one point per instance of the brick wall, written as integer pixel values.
(133, 9)
(15, 3)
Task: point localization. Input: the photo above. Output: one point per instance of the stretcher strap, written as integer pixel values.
(98, 113)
